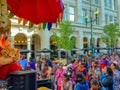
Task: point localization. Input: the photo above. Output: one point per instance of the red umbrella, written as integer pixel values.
(37, 11)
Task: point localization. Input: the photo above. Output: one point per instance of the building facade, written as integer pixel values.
(75, 11)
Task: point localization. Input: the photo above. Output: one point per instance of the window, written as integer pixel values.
(109, 4)
(96, 1)
(85, 42)
(84, 12)
(65, 14)
(97, 22)
(110, 19)
(71, 13)
(106, 18)
(114, 4)
(105, 3)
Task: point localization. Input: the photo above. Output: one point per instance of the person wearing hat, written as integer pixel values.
(59, 75)
(66, 83)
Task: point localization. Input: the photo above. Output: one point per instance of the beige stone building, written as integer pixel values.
(75, 11)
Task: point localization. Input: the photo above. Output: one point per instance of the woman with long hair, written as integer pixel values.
(44, 72)
(74, 68)
(107, 78)
(66, 83)
(104, 61)
(59, 75)
(94, 69)
(116, 76)
(81, 83)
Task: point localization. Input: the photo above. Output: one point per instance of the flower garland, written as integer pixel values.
(3, 14)
(5, 23)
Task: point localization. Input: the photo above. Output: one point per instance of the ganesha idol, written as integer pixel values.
(8, 57)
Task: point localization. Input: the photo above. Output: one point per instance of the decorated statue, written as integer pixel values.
(8, 57)
(5, 52)
(8, 54)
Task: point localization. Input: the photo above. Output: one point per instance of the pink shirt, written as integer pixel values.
(59, 76)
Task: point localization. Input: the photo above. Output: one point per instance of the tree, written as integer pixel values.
(64, 41)
(110, 34)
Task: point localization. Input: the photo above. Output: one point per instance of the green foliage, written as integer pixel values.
(73, 39)
(111, 33)
(54, 37)
(64, 41)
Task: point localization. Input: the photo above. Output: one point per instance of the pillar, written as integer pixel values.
(78, 40)
(89, 41)
(95, 41)
(118, 9)
(28, 46)
(78, 11)
(45, 41)
(117, 3)
(81, 40)
(102, 14)
(69, 53)
(59, 54)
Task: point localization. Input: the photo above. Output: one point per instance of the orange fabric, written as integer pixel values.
(19, 20)
(87, 77)
(2, 41)
(81, 69)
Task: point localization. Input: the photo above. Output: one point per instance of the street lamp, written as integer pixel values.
(91, 24)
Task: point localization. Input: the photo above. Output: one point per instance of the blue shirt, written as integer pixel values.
(32, 65)
(49, 63)
(23, 63)
(80, 86)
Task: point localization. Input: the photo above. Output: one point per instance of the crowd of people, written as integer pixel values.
(99, 72)
(86, 73)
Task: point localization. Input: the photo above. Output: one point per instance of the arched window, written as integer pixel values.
(20, 41)
(85, 42)
(53, 46)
